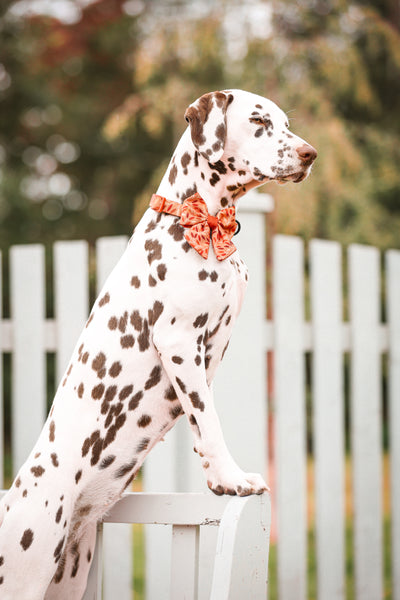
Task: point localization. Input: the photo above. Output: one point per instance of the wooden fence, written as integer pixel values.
(241, 393)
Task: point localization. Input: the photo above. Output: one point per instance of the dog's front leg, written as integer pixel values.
(189, 381)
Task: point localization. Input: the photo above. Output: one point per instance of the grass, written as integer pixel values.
(138, 562)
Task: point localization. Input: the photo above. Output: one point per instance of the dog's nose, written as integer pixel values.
(307, 154)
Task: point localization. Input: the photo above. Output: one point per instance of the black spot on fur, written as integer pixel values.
(176, 411)
(144, 421)
(59, 514)
(135, 281)
(143, 445)
(193, 422)
(134, 401)
(127, 341)
(122, 471)
(197, 403)
(185, 160)
(155, 312)
(161, 271)
(203, 275)
(154, 378)
(178, 360)
(181, 384)
(170, 394)
(37, 471)
(172, 174)
(107, 461)
(115, 369)
(154, 250)
(176, 231)
(136, 320)
(125, 392)
(26, 539)
(58, 550)
(201, 320)
(104, 300)
(144, 337)
(110, 393)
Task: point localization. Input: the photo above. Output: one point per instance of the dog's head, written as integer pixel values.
(254, 131)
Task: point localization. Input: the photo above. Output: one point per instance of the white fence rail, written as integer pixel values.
(241, 394)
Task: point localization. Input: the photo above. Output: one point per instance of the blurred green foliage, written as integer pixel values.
(92, 107)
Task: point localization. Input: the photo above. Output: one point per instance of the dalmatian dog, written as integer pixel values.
(149, 350)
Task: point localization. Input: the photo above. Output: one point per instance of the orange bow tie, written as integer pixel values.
(200, 226)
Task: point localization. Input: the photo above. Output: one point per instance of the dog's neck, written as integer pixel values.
(220, 184)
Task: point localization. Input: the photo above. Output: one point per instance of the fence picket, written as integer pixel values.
(366, 420)
(393, 318)
(1, 383)
(289, 400)
(328, 410)
(71, 297)
(117, 546)
(108, 251)
(28, 363)
(184, 561)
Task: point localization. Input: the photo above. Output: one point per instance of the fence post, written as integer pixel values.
(393, 319)
(117, 546)
(290, 426)
(366, 436)
(71, 297)
(1, 383)
(328, 412)
(28, 363)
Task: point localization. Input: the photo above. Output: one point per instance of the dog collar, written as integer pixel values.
(200, 226)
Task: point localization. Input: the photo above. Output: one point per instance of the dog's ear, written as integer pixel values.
(207, 120)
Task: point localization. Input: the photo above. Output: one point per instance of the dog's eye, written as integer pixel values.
(256, 120)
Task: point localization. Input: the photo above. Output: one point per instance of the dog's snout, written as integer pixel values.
(307, 154)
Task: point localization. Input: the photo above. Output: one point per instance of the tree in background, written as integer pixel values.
(90, 111)
(337, 65)
(62, 178)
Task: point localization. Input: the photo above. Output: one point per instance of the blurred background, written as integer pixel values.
(92, 96)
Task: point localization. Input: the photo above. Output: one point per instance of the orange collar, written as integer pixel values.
(200, 226)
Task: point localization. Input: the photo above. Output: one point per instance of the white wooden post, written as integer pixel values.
(366, 420)
(28, 361)
(185, 561)
(288, 309)
(1, 383)
(241, 559)
(393, 319)
(118, 542)
(71, 296)
(328, 408)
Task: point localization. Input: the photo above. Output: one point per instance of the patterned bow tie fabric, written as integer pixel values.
(200, 226)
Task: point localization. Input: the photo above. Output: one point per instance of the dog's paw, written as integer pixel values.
(241, 484)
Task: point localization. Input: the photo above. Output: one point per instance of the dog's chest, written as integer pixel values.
(182, 277)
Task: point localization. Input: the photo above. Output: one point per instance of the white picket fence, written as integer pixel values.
(240, 390)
